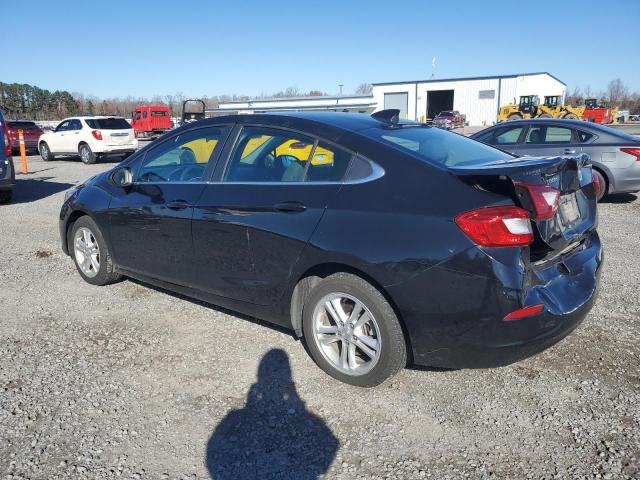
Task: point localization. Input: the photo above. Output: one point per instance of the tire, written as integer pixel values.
(545, 115)
(86, 229)
(6, 196)
(571, 116)
(514, 116)
(86, 155)
(45, 152)
(381, 328)
(604, 186)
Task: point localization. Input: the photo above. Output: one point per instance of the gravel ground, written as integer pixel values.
(133, 382)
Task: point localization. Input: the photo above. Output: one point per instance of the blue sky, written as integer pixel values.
(120, 48)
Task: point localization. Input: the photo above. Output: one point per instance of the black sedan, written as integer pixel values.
(379, 242)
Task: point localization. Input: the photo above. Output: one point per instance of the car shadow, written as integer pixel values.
(76, 158)
(33, 189)
(274, 435)
(215, 307)
(620, 198)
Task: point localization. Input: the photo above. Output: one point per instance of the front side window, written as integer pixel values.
(264, 154)
(63, 126)
(182, 158)
(501, 136)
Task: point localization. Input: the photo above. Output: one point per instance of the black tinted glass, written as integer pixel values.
(437, 146)
(108, 123)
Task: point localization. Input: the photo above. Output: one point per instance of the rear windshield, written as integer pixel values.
(24, 125)
(159, 114)
(438, 146)
(108, 123)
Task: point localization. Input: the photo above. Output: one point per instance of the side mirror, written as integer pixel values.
(121, 177)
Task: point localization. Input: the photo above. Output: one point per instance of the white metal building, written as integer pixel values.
(342, 103)
(479, 98)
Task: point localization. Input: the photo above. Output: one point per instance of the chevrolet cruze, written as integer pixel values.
(379, 242)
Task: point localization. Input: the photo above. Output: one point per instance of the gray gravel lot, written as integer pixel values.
(133, 382)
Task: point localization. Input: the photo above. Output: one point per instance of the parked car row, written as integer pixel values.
(7, 172)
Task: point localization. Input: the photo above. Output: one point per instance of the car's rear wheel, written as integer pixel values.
(6, 196)
(352, 331)
(90, 253)
(86, 155)
(603, 184)
(45, 152)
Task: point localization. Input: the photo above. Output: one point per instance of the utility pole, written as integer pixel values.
(341, 85)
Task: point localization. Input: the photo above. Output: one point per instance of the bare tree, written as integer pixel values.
(617, 93)
(364, 89)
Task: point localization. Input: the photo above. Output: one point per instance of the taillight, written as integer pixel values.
(546, 200)
(497, 226)
(525, 312)
(596, 183)
(7, 145)
(135, 133)
(97, 134)
(632, 151)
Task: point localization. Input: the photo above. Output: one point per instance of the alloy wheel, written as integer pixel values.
(347, 334)
(87, 252)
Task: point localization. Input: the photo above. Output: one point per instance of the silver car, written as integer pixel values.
(615, 155)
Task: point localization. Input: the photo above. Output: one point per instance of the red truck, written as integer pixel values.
(596, 112)
(151, 120)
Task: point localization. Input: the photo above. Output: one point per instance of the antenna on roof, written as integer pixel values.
(390, 115)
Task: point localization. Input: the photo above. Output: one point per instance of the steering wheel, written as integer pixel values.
(191, 173)
(151, 176)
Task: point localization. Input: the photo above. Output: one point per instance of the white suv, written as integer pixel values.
(90, 137)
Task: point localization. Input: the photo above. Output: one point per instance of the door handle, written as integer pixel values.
(177, 205)
(290, 207)
(569, 151)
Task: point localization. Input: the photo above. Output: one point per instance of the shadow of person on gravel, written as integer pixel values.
(273, 436)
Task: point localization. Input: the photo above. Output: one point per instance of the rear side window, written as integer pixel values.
(264, 154)
(75, 124)
(437, 146)
(583, 136)
(108, 123)
(548, 134)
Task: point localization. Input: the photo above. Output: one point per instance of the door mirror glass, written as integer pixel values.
(122, 177)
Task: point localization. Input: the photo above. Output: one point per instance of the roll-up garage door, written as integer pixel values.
(399, 101)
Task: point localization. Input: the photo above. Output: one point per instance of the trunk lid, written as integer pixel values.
(576, 215)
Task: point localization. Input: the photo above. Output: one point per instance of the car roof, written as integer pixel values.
(339, 120)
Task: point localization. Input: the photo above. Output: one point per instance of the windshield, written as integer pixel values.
(438, 146)
(108, 123)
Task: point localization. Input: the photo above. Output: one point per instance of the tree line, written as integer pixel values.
(616, 95)
(26, 101)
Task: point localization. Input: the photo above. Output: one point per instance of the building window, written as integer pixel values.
(486, 94)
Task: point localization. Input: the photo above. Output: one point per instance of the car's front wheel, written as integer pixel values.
(86, 155)
(90, 253)
(45, 152)
(352, 331)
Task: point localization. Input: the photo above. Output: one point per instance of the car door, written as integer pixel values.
(150, 221)
(252, 224)
(72, 135)
(56, 140)
(549, 140)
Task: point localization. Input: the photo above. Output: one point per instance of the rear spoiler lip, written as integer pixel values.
(522, 165)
